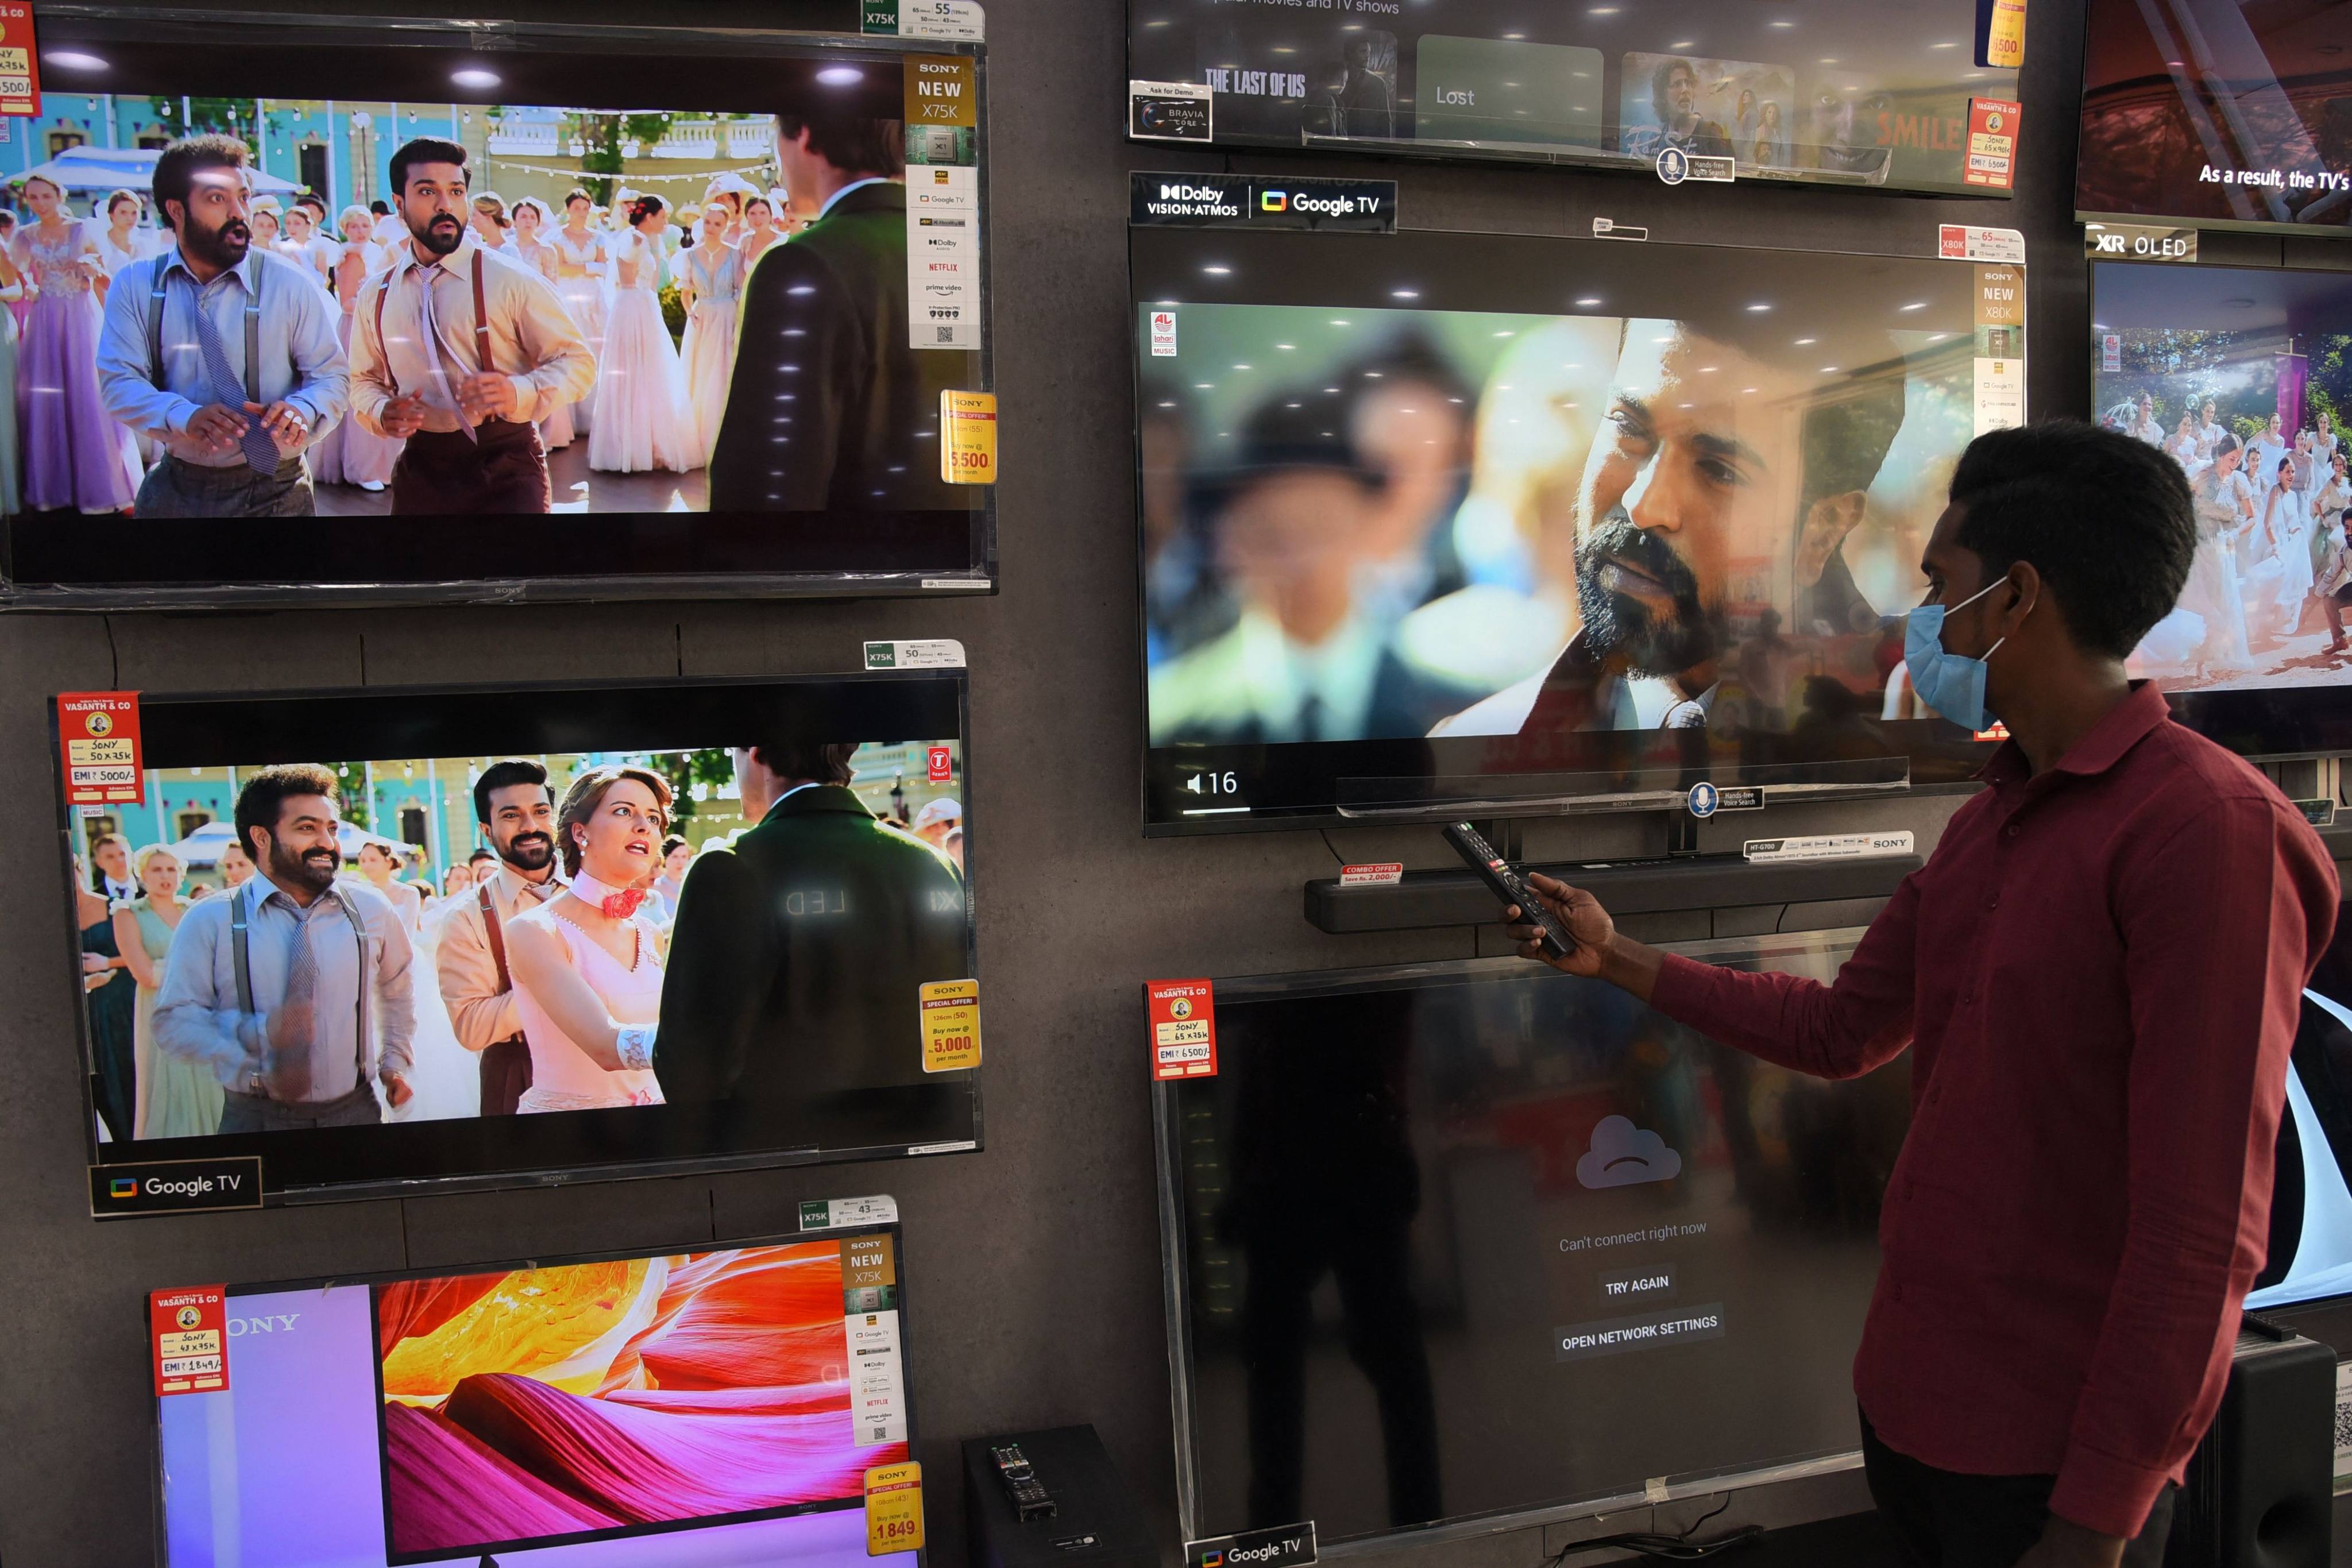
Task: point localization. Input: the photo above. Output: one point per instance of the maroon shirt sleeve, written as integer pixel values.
(1839, 1030)
(2221, 925)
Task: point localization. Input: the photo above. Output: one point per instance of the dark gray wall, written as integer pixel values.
(1033, 1265)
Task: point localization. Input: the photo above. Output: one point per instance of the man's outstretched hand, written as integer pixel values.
(1600, 952)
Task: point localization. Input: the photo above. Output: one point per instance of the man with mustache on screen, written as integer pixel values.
(1680, 493)
(295, 989)
(224, 356)
(516, 810)
(457, 350)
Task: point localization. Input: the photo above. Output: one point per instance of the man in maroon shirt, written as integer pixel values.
(2099, 969)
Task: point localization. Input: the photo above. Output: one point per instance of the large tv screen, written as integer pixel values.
(1435, 521)
(1831, 92)
(2310, 1256)
(2218, 113)
(391, 937)
(2241, 374)
(1463, 1240)
(716, 1408)
(700, 293)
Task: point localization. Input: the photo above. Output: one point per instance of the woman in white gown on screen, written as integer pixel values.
(527, 242)
(587, 964)
(2278, 550)
(446, 1076)
(582, 269)
(712, 275)
(2224, 505)
(641, 421)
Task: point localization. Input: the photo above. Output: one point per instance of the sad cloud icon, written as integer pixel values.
(1622, 1154)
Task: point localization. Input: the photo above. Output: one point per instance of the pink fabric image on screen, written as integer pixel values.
(612, 1396)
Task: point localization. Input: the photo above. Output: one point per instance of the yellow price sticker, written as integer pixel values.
(950, 1024)
(894, 1508)
(968, 437)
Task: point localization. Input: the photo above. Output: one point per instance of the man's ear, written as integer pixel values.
(1827, 522)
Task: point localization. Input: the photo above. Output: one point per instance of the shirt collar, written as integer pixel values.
(243, 272)
(259, 889)
(458, 263)
(834, 200)
(2126, 725)
(520, 887)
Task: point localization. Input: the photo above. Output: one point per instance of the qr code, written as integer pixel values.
(881, 1434)
(947, 334)
(2344, 1426)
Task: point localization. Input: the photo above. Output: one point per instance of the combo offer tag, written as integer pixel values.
(968, 432)
(191, 1329)
(20, 70)
(894, 1508)
(1183, 1028)
(950, 1024)
(99, 734)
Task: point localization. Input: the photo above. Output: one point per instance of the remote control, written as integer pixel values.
(1030, 1498)
(1508, 886)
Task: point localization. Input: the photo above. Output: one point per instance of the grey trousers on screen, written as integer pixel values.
(257, 1113)
(175, 489)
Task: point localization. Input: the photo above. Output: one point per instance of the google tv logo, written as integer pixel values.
(122, 1187)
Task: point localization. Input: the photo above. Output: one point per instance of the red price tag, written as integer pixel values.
(1183, 1028)
(97, 733)
(1992, 142)
(20, 61)
(190, 1335)
(942, 763)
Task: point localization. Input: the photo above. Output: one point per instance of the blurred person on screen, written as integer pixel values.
(799, 956)
(1306, 659)
(2100, 973)
(825, 341)
(1682, 484)
(514, 810)
(305, 1014)
(1674, 102)
(1849, 122)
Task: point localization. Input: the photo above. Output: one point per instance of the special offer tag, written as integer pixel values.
(950, 1024)
(99, 733)
(20, 69)
(1183, 1028)
(191, 1339)
(1992, 142)
(968, 437)
(894, 1508)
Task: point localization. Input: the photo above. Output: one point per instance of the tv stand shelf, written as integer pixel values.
(1627, 886)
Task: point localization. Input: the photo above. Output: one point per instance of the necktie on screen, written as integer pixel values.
(261, 450)
(446, 372)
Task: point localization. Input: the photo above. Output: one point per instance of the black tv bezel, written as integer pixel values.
(1963, 756)
(1579, 160)
(1168, 1164)
(2278, 723)
(926, 562)
(606, 1125)
(371, 1281)
(2178, 220)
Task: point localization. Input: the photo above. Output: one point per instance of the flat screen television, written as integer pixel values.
(2310, 1256)
(713, 1407)
(2253, 361)
(1451, 1242)
(1437, 522)
(705, 419)
(1826, 91)
(770, 873)
(2217, 114)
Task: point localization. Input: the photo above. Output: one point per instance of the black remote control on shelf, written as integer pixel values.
(1030, 1498)
(1511, 888)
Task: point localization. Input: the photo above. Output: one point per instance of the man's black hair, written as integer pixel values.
(2105, 519)
(827, 762)
(425, 149)
(857, 144)
(505, 775)
(175, 169)
(266, 794)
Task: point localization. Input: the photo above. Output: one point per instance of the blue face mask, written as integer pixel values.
(1952, 685)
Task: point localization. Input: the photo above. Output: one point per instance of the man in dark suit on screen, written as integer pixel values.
(830, 407)
(797, 962)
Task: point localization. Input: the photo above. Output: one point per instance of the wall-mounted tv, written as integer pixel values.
(2241, 374)
(2218, 113)
(2310, 1256)
(1435, 521)
(1828, 91)
(1456, 1241)
(714, 323)
(714, 1407)
(388, 938)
